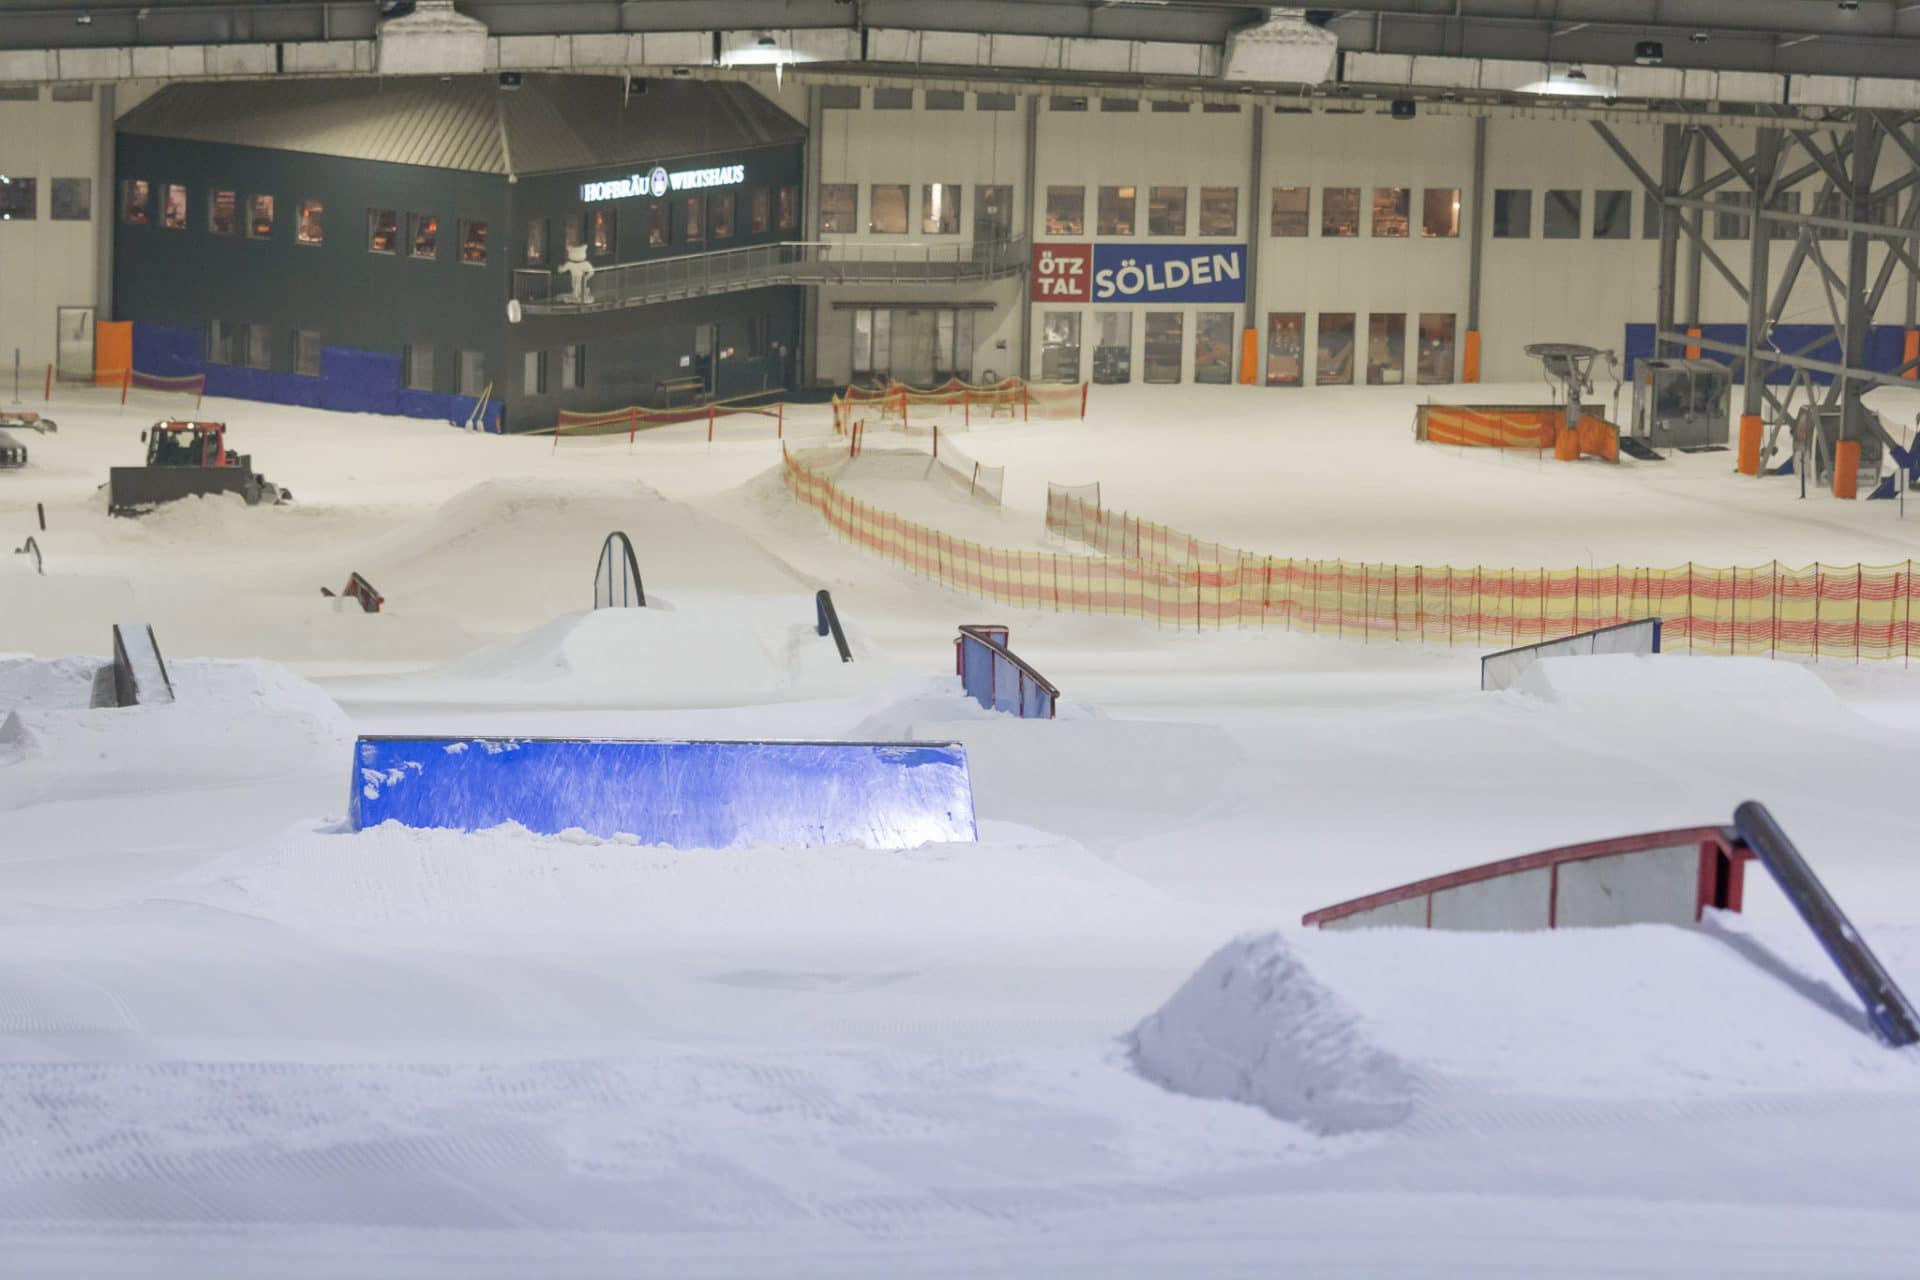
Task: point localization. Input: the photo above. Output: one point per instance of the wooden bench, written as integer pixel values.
(666, 389)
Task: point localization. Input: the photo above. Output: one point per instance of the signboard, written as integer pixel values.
(1139, 273)
(661, 181)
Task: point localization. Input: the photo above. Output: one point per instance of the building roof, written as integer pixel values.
(551, 123)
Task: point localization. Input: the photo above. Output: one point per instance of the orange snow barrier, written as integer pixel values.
(1846, 469)
(1516, 427)
(1144, 570)
(112, 351)
(1747, 459)
(1470, 358)
(1249, 356)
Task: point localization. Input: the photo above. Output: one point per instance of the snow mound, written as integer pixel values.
(1627, 682)
(1255, 1026)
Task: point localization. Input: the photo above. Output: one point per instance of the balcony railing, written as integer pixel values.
(635, 284)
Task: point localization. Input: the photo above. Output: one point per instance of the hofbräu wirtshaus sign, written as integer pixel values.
(1125, 274)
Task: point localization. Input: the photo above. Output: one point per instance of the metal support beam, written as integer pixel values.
(1760, 176)
(1867, 134)
(1697, 243)
(1672, 169)
(1033, 206)
(1256, 169)
(1476, 220)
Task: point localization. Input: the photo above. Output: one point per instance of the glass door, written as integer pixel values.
(73, 343)
(1213, 347)
(1286, 343)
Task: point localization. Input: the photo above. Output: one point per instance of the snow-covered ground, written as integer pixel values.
(236, 1039)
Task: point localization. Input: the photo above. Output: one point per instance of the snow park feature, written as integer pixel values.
(685, 795)
(139, 673)
(1501, 670)
(997, 679)
(360, 591)
(616, 575)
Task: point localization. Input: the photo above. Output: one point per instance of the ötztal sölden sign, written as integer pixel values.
(1135, 273)
(660, 181)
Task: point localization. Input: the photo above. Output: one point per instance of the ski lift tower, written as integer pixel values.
(1569, 365)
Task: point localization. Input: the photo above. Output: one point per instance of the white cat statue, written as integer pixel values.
(581, 270)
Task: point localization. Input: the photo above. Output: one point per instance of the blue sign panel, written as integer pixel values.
(689, 795)
(1169, 273)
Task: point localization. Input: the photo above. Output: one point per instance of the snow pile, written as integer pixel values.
(1253, 1025)
(1676, 683)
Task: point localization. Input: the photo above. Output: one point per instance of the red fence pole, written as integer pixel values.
(126, 381)
(709, 424)
(49, 391)
(633, 423)
(780, 420)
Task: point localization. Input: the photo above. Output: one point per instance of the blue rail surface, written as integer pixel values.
(688, 795)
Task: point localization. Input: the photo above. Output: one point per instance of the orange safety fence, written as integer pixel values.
(1512, 427)
(1009, 397)
(1853, 612)
(982, 483)
(634, 419)
(127, 381)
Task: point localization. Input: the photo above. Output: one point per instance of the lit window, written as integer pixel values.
(1167, 213)
(312, 227)
(761, 204)
(1066, 211)
(940, 209)
(473, 241)
(1440, 213)
(173, 208)
(1289, 212)
(1340, 217)
(536, 242)
(657, 233)
(601, 244)
(72, 200)
(134, 200)
(1391, 207)
(722, 215)
(423, 235)
(887, 209)
(1286, 348)
(1219, 214)
(1435, 361)
(992, 213)
(570, 231)
(838, 208)
(260, 217)
(1213, 347)
(18, 199)
(696, 219)
(383, 231)
(787, 208)
(1333, 360)
(306, 352)
(1160, 354)
(1386, 350)
(1117, 208)
(222, 213)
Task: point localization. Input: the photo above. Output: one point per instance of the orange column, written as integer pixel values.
(1249, 356)
(112, 351)
(1693, 352)
(1911, 353)
(1470, 361)
(1846, 469)
(1566, 444)
(1748, 459)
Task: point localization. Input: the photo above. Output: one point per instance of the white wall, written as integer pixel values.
(46, 264)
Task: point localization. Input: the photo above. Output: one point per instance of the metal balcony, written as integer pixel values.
(696, 275)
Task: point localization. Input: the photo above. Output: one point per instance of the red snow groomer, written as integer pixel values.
(186, 459)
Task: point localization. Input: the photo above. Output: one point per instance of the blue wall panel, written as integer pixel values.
(1884, 348)
(690, 795)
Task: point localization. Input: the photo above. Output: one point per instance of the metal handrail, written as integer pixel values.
(629, 284)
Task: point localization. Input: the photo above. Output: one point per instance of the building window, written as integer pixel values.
(840, 97)
(872, 340)
(1164, 107)
(573, 367)
(1386, 350)
(1220, 108)
(787, 208)
(1826, 204)
(1066, 102)
(721, 207)
(1612, 215)
(383, 231)
(1160, 354)
(423, 235)
(940, 209)
(1435, 361)
(1060, 346)
(1512, 214)
(946, 100)
(887, 209)
(1733, 224)
(536, 242)
(1213, 347)
(418, 362)
(173, 207)
(533, 374)
(1779, 202)
(72, 200)
(1286, 346)
(892, 99)
(306, 352)
(760, 204)
(1562, 216)
(1333, 361)
(1289, 211)
(658, 233)
(135, 198)
(1440, 213)
(696, 219)
(1112, 347)
(1120, 104)
(839, 207)
(259, 347)
(1116, 211)
(1066, 211)
(18, 199)
(992, 213)
(473, 241)
(600, 244)
(570, 233)
(312, 227)
(993, 102)
(1219, 211)
(1340, 211)
(473, 373)
(222, 336)
(1650, 209)
(260, 217)
(1390, 213)
(223, 213)
(1167, 212)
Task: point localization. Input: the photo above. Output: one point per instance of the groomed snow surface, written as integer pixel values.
(239, 1039)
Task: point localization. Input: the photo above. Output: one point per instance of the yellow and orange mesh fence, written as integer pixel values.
(634, 419)
(1493, 426)
(1009, 397)
(1850, 612)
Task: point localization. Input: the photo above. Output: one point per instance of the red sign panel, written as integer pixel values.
(1062, 272)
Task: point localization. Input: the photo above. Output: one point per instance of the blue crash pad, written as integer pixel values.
(689, 795)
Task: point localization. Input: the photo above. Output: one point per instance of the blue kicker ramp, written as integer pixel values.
(689, 795)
